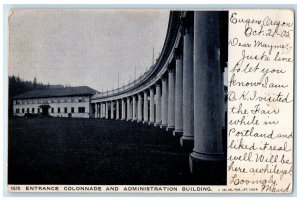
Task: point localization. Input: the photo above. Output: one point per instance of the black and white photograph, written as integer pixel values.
(117, 97)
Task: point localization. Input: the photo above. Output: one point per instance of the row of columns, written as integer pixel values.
(141, 107)
(189, 97)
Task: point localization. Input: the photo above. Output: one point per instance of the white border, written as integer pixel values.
(175, 4)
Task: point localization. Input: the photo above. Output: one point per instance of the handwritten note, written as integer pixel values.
(260, 100)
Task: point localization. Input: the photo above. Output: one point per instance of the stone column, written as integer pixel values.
(128, 109)
(99, 110)
(158, 105)
(208, 96)
(171, 99)
(123, 109)
(151, 106)
(164, 105)
(178, 95)
(96, 110)
(103, 110)
(112, 116)
(131, 108)
(187, 140)
(134, 116)
(117, 110)
(139, 108)
(106, 110)
(145, 110)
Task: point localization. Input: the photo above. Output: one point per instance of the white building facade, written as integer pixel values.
(61, 102)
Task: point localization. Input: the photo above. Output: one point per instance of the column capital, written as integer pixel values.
(187, 22)
(171, 69)
(172, 64)
(164, 77)
(146, 91)
(178, 53)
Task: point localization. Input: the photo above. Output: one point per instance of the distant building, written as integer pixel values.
(56, 102)
(54, 86)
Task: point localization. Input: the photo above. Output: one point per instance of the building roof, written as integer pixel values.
(57, 92)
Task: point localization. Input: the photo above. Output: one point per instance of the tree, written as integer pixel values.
(18, 86)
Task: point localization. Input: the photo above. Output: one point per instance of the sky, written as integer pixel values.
(84, 47)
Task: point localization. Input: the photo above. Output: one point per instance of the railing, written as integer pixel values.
(150, 75)
(124, 87)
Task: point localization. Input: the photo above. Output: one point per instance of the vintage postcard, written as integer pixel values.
(151, 101)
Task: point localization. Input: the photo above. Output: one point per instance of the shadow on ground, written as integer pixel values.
(95, 152)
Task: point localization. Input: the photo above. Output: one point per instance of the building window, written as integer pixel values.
(66, 110)
(81, 109)
(17, 110)
(52, 110)
(27, 110)
(23, 110)
(72, 99)
(39, 110)
(72, 109)
(58, 110)
(32, 110)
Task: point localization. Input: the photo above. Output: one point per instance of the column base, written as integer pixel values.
(157, 124)
(139, 121)
(145, 122)
(163, 126)
(128, 119)
(187, 143)
(134, 120)
(177, 133)
(210, 169)
(151, 123)
(170, 128)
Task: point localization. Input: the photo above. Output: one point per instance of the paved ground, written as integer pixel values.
(94, 151)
